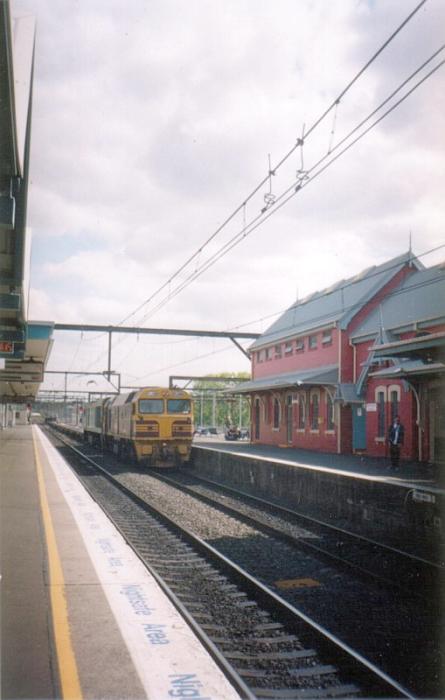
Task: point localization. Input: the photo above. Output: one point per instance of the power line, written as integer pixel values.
(357, 305)
(292, 190)
(322, 317)
(273, 171)
(184, 362)
(327, 292)
(297, 186)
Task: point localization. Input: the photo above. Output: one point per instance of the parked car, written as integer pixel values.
(232, 433)
(200, 430)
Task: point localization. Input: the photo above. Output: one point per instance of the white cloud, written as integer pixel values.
(150, 126)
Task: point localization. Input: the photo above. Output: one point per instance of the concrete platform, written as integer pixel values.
(80, 616)
(359, 493)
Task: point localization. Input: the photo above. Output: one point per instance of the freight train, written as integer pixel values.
(152, 426)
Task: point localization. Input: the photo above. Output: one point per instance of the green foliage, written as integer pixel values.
(213, 407)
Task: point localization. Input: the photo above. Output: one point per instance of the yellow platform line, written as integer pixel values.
(68, 673)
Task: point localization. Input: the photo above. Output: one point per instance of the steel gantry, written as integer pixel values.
(96, 328)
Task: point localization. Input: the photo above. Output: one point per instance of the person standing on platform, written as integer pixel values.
(396, 434)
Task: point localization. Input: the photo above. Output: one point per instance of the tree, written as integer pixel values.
(214, 407)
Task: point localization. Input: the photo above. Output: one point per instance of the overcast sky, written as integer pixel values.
(153, 120)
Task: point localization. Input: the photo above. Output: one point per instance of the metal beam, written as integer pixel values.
(240, 347)
(105, 375)
(62, 371)
(96, 328)
(192, 378)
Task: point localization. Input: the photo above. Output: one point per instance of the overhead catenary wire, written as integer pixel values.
(297, 186)
(328, 292)
(319, 319)
(257, 221)
(281, 162)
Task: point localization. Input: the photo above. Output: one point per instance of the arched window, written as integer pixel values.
(380, 399)
(276, 414)
(315, 409)
(329, 412)
(394, 400)
(301, 411)
(256, 417)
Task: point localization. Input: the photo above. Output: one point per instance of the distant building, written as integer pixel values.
(321, 379)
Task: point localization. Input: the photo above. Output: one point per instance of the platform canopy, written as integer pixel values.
(20, 379)
(16, 71)
(24, 345)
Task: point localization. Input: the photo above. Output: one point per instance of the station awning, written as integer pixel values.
(411, 368)
(429, 345)
(318, 376)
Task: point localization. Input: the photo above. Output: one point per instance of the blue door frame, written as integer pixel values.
(359, 427)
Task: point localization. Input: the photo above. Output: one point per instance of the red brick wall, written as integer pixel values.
(320, 440)
(341, 351)
(324, 354)
(407, 412)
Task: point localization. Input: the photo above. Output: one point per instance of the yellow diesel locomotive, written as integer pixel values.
(153, 426)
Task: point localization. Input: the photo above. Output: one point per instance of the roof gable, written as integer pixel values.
(336, 304)
(419, 297)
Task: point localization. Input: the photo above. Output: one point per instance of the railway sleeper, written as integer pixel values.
(319, 670)
(272, 640)
(272, 655)
(338, 691)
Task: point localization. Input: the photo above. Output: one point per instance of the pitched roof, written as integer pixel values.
(419, 297)
(338, 303)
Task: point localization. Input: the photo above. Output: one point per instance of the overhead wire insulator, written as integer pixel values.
(269, 197)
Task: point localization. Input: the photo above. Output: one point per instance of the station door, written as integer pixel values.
(358, 428)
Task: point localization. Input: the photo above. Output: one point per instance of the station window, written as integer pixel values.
(381, 426)
(326, 337)
(260, 356)
(299, 345)
(312, 342)
(288, 348)
(314, 411)
(267, 410)
(301, 412)
(268, 353)
(394, 397)
(329, 412)
(277, 351)
(276, 414)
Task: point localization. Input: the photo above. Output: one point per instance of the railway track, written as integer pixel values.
(394, 567)
(386, 604)
(266, 646)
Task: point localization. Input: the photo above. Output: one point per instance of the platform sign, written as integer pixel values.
(22, 372)
(6, 347)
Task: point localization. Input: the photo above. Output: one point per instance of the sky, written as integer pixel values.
(154, 121)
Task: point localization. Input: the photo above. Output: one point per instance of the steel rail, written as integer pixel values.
(286, 537)
(359, 666)
(439, 566)
(226, 668)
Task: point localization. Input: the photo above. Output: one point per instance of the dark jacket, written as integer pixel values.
(392, 434)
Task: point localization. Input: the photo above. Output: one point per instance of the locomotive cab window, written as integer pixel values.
(178, 406)
(151, 406)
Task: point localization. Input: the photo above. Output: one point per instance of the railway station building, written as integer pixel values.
(335, 369)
